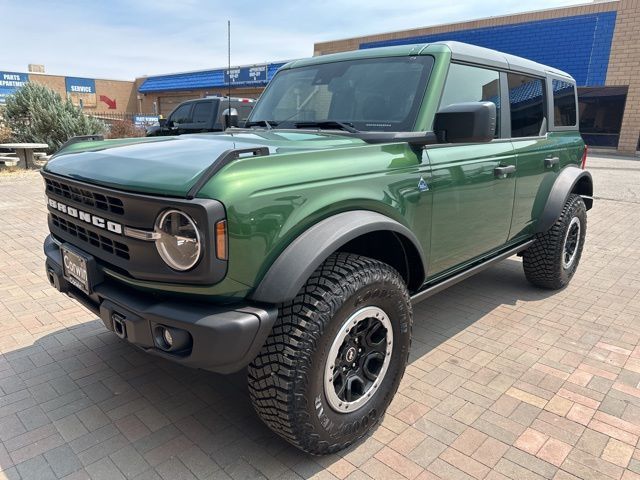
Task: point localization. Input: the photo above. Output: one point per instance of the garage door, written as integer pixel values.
(169, 102)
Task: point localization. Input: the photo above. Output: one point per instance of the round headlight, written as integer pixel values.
(179, 240)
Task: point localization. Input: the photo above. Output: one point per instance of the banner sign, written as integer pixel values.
(10, 82)
(81, 91)
(145, 120)
(246, 75)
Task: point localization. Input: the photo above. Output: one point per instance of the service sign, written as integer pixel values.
(246, 75)
(81, 91)
(10, 82)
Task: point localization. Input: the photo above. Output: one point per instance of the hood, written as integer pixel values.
(171, 165)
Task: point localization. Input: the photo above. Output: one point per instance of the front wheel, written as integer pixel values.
(553, 258)
(336, 355)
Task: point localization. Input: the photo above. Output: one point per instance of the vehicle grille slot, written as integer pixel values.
(86, 197)
(92, 238)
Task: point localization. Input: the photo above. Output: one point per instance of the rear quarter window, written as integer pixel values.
(564, 104)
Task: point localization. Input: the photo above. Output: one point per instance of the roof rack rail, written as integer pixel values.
(222, 161)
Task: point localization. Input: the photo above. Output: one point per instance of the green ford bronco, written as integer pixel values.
(363, 182)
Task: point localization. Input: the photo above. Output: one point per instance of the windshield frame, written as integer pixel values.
(410, 122)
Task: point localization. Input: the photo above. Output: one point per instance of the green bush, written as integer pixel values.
(36, 113)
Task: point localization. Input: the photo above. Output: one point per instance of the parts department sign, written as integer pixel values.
(10, 82)
(81, 91)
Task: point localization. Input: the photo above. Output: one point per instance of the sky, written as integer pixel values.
(125, 39)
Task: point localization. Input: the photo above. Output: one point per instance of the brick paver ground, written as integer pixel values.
(505, 381)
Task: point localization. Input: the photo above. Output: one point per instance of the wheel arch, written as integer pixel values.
(570, 180)
(359, 231)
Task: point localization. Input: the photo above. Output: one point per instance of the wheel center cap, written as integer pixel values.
(350, 354)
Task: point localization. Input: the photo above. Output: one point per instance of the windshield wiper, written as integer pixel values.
(348, 127)
(267, 123)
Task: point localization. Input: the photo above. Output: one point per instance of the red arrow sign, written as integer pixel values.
(110, 103)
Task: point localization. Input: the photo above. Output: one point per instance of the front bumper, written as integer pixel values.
(224, 339)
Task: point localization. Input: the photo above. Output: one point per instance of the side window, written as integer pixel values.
(202, 112)
(526, 102)
(181, 115)
(564, 104)
(472, 84)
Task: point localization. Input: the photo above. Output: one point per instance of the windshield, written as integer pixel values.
(373, 94)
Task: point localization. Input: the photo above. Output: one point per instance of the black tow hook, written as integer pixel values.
(119, 327)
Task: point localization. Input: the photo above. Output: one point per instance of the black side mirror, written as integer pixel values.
(230, 118)
(468, 122)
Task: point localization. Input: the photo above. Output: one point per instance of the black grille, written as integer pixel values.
(85, 197)
(90, 237)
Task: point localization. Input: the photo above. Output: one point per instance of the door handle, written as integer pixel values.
(502, 172)
(551, 161)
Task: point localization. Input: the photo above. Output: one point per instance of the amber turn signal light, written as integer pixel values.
(221, 239)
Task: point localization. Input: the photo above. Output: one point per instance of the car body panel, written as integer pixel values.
(534, 179)
(464, 213)
(471, 207)
(150, 165)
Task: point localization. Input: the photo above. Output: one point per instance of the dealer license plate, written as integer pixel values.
(74, 269)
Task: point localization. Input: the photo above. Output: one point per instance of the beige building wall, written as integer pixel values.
(624, 60)
(121, 91)
(347, 44)
(52, 81)
(624, 69)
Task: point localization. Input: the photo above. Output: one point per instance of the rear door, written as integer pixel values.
(202, 117)
(472, 200)
(537, 155)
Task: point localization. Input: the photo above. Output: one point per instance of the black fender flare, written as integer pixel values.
(298, 261)
(571, 179)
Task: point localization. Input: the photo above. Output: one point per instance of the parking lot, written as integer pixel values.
(504, 381)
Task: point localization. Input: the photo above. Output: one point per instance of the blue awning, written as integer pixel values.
(255, 75)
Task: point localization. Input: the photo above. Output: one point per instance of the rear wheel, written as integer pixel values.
(553, 258)
(336, 355)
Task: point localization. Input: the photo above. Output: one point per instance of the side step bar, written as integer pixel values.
(438, 287)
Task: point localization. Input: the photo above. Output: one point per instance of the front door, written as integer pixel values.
(473, 184)
(472, 201)
(179, 118)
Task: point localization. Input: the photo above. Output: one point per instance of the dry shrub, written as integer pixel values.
(124, 129)
(5, 132)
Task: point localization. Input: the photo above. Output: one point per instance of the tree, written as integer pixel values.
(36, 113)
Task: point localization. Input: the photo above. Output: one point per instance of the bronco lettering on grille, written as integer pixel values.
(86, 217)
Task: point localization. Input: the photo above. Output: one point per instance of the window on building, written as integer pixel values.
(601, 111)
(526, 102)
(564, 104)
(182, 114)
(472, 84)
(202, 112)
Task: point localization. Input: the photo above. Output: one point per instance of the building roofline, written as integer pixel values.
(69, 76)
(462, 22)
(187, 72)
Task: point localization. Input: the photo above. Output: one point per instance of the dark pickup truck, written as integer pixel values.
(203, 115)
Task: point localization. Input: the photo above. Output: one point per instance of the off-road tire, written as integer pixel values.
(286, 379)
(543, 260)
